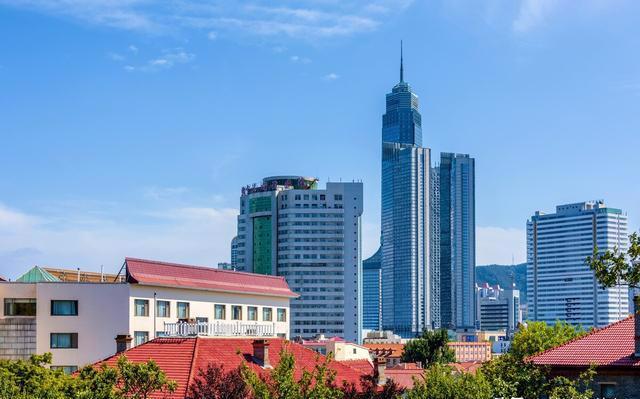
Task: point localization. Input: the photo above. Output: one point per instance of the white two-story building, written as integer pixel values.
(83, 322)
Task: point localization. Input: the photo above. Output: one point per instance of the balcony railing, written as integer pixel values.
(220, 329)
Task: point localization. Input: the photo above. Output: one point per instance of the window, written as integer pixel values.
(252, 313)
(607, 391)
(282, 314)
(202, 320)
(163, 309)
(306, 196)
(337, 197)
(141, 307)
(140, 337)
(267, 314)
(183, 310)
(236, 312)
(220, 312)
(64, 308)
(19, 307)
(323, 197)
(64, 340)
(65, 369)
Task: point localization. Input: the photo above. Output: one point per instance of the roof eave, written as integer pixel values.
(292, 295)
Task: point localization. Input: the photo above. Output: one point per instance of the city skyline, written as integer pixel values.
(148, 158)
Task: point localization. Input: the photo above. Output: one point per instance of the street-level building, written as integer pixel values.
(80, 323)
(289, 227)
(560, 284)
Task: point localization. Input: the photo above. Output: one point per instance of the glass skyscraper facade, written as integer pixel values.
(453, 195)
(560, 285)
(405, 215)
(372, 292)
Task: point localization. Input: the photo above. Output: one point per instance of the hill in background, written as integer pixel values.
(502, 275)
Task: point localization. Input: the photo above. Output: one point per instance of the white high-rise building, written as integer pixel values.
(289, 227)
(560, 285)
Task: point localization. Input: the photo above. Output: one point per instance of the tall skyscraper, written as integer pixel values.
(560, 285)
(454, 260)
(289, 227)
(405, 215)
(372, 292)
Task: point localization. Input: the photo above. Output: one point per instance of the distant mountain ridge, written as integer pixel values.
(502, 275)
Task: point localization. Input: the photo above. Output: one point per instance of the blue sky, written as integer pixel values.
(128, 126)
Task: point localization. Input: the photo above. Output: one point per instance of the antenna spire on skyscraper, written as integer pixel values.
(401, 66)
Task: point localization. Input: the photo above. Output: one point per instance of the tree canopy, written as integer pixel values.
(428, 349)
(613, 267)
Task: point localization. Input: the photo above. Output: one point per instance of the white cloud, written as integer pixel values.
(212, 35)
(499, 245)
(532, 13)
(115, 57)
(133, 49)
(167, 60)
(331, 76)
(301, 20)
(299, 60)
(184, 234)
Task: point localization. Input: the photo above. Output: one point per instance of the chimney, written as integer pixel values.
(379, 365)
(123, 342)
(636, 300)
(261, 353)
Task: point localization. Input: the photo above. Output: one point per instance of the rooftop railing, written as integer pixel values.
(220, 329)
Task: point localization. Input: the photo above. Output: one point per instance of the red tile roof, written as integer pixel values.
(404, 377)
(181, 358)
(466, 367)
(362, 365)
(611, 346)
(385, 350)
(156, 273)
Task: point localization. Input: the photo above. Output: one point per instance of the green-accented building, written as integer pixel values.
(289, 227)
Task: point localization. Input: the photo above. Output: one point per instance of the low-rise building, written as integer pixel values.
(341, 349)
(391, 352)
(78, 321)
(614, 351)
(471, 351)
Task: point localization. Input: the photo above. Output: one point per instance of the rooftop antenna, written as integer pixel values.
(401, 64)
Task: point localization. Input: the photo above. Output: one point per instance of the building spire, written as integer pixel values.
(401, 66)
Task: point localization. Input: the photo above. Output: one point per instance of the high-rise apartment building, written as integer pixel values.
(372, 292)
(454, 260)
(560, 285)
(289, 227)
(405, 215)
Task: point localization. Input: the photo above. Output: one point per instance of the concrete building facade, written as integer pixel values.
(289, 227)
(560, 284)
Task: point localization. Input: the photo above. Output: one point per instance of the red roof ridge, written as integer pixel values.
(126, 259)
(592, 332)
(192, 366)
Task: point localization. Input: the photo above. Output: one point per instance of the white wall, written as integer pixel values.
(102, 314)
(201, 304)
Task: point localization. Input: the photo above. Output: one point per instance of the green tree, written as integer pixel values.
(281, 383)
(140, 380)
(369, 389)
(512, 375)
(32, 379)
(613, 267)
(430, 348)
(440, 382)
